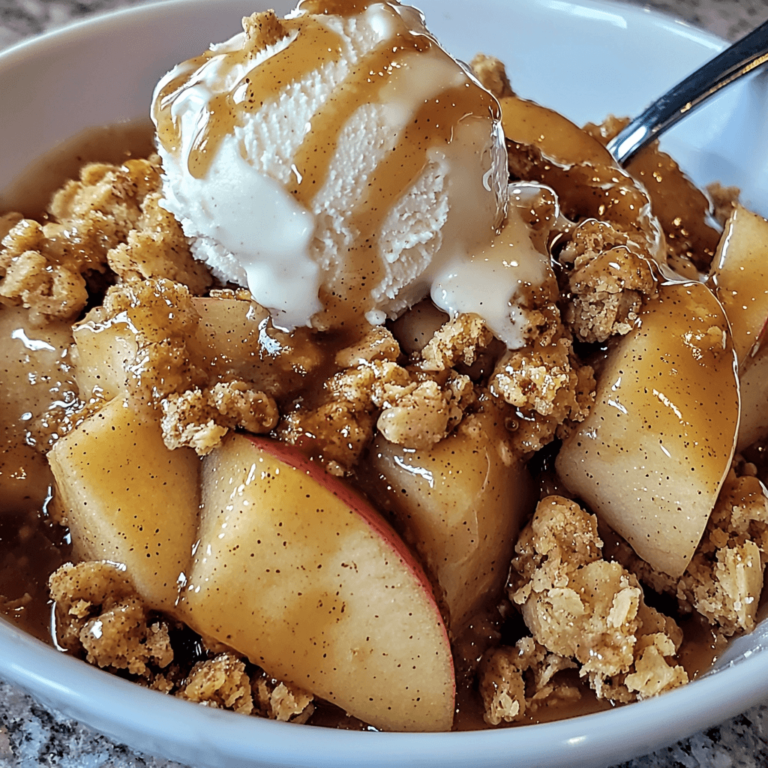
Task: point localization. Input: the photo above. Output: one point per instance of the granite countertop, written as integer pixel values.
(32, 735)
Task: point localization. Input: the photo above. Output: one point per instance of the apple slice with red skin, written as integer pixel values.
(303, 576)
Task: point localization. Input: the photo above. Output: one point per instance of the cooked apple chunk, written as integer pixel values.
(461, 503)
(303, 577)
(128, 499)
(739, 278)
(652, 455)
(36, 380)
(754, 397)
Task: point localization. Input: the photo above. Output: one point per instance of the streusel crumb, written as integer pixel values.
(459, 341)
(492, 73)
(409, 407)
(200, 418)
(517, 680)
(549, 390)
(156, 247)
(100, 616)
(609, 278)
(111, 216)
(579, 606)
(221, 682)
(262, 30)
(279, 701)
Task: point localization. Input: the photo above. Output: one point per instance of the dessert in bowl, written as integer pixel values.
(414, 745)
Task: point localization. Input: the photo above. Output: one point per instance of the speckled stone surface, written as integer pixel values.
(31, 735)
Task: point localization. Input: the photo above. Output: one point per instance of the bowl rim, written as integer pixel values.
(88, 694)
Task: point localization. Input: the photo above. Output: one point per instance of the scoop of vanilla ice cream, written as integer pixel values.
(334, 162)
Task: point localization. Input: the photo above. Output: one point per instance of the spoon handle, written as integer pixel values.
(739, 59)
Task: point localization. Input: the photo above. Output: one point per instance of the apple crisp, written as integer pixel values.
(125, 357)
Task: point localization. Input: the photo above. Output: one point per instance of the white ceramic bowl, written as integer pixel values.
(585, 58)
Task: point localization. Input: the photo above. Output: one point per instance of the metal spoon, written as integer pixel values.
(739, 59)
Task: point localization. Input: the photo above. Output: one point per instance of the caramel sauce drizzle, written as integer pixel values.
(319, 46)
(363, 86)
(334, 7)
(433, 124)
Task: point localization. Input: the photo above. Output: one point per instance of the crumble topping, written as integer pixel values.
(492, 74)
(100, 616)
(200, 419)
(515, 681)
(262, 30)
(221, 683)
(581, 607)
(609, 278)
(110, 217)
(409, 407)
(459, 341)
(548, 387)
(279, 701)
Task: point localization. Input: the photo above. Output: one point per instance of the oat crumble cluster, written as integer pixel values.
(203, 360)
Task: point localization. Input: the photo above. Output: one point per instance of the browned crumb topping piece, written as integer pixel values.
(111, 215)
(492, 74)
(725, 576)
(579, 606)
(7, 222)
(262, 30)
(458, 341)
(549, 390)
(419, 414)
(408, 407)
(200, 418)
(157, 248)
(50, 286)
(517, 680)
(100, 616)
(221, 682)
(724, 200)
(609, 278)
(280, 701)
(546, 385)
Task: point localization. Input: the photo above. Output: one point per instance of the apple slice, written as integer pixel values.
(302, 576)
(740, 278)
(652, 455)
(546, 147)
(235, 337)
(682, 208)
(461, 504)
(35, 378)
(754, 401)
(104, 349)
(129, 499)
